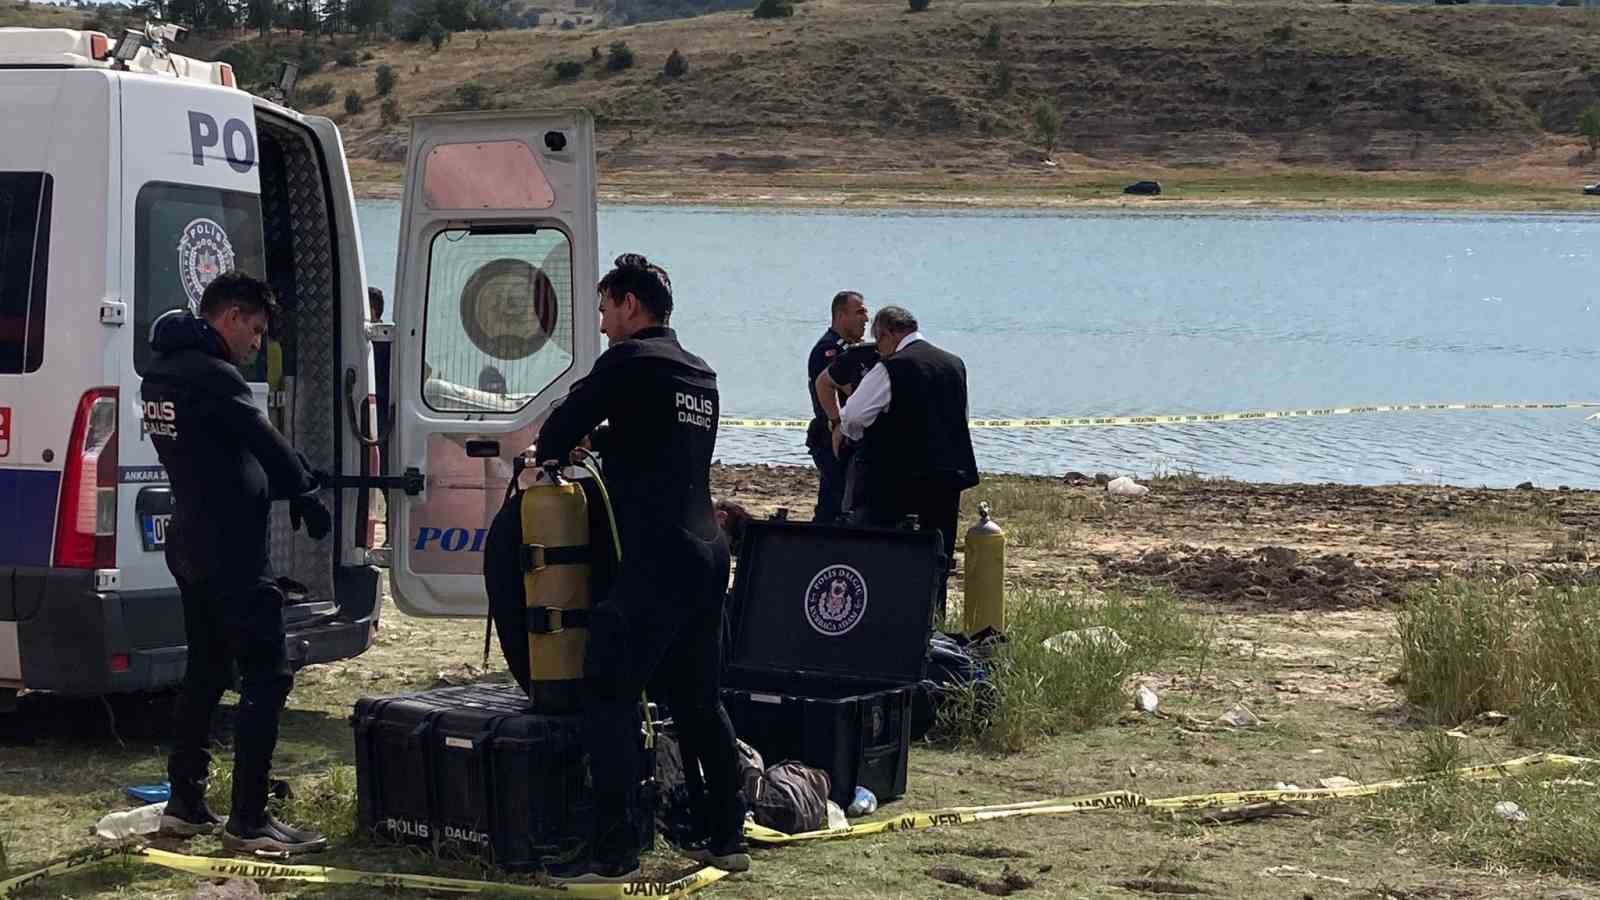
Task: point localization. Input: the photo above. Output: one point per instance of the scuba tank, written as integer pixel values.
(555, 564)
(548, 556)
(985, 556)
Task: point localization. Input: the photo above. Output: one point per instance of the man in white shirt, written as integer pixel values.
(910, 416)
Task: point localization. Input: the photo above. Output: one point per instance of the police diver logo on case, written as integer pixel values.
(836, 600)
(204, 252)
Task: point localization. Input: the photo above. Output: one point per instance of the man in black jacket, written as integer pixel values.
(848, 325)
(226, 464)
(911, 413)
(660, 627)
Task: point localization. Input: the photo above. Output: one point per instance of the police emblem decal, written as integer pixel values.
(836, 600)
(204, 252)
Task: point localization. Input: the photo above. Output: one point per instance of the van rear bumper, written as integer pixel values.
(73, 639)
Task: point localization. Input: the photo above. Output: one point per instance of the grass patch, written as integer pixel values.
(1471, 645)
(1537, 514)
(1456, 820)
(1039, 692)
(1036, 513)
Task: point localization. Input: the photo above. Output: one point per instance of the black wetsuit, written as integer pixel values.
(226, 464)
(660, 626)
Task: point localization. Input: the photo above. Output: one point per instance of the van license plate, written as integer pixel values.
(155, 531)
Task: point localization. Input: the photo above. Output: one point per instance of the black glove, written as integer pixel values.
(319, 478)
(310, 509)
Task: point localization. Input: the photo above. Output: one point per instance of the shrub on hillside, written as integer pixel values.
(677, 65)
(1047, 124)
(919, 5)
(315, 95)
(310, 59)
(620, 57)
(1589, 126)
(389, 112)
(385, 80)
(1002, 78)
(352, 102)
(773, 9)
(568, 69)
(471, 95)
(437, 35)
(345, 59)
(991, 41)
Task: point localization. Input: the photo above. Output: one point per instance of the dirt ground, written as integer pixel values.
(1300, 583)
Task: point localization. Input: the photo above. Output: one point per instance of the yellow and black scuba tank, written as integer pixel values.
(548, 557)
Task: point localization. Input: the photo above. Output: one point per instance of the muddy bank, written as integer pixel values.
(1290, 547)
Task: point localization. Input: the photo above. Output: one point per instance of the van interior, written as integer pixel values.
(306, 387)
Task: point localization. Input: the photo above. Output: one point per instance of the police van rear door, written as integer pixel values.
(494, 319)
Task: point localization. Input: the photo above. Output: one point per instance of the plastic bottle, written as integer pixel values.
(864, 803)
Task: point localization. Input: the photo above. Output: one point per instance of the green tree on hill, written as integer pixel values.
(384, 80)
(1047, 124)
(773, 9)
(620, 57)
(677, 65)
(1589, 126)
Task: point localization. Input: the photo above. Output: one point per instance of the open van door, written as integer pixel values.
(494, 320)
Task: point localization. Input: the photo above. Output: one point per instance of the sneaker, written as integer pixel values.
(730, 856)
(181, 819)
(266, 838)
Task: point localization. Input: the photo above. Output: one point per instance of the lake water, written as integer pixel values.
(1156, 313)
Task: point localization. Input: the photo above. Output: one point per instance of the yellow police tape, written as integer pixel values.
(967, 815)
(1195, 418)
(211, 867)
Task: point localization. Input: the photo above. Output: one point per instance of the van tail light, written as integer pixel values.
(86, 517)
(226, 74)
(99, 46)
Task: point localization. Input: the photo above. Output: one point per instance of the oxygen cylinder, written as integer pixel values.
(985, 580)
(556, 585)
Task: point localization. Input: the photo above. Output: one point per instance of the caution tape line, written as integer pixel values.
(212, 867)
(1195, 418)
(967, 815)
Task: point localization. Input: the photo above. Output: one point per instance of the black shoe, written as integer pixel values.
(729, 856)
(183, 819)
(586, 871)
(303, 836)
(267, 838)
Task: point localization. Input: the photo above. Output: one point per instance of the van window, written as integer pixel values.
(499, 325)
(24, 258)
(184, 236)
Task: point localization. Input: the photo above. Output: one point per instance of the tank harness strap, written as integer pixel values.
(538, 556)
(554, 619)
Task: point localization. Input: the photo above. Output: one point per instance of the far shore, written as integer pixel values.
(1085, 191)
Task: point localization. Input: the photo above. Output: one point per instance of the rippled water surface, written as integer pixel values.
(1116, 313)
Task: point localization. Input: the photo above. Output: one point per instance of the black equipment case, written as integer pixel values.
(829, 631)
(467, 772)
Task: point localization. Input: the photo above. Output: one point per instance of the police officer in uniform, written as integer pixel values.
(226, 464)
(911, 413)
(848, 326)
(660, 627)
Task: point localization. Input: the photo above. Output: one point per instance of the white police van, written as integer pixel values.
(129, 177)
